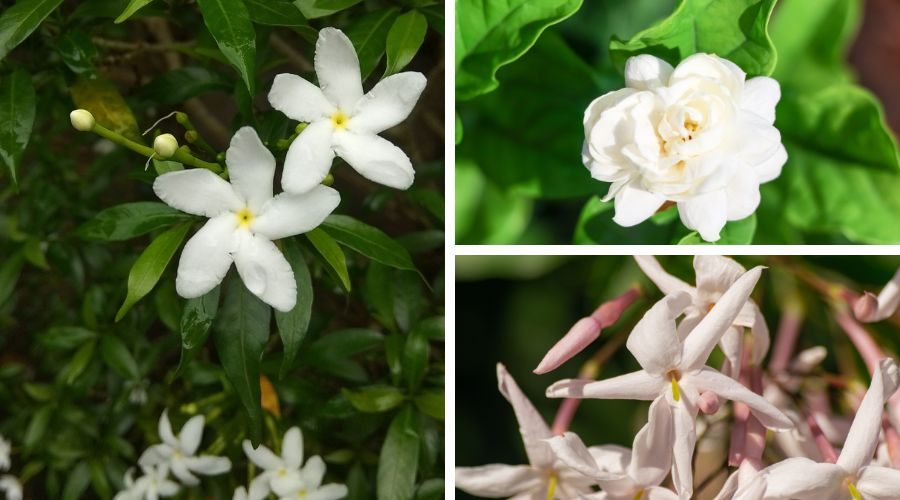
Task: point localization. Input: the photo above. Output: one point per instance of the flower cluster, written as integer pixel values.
(672, 343)
(9, 484)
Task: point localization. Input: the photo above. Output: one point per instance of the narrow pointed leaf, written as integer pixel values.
(17, 108)
(399, 459)
(228, 21)
(292, 325)
(130, 220)
(403, 40)
(19, 20)
(332, 253)
(151, 264)
(368, 240)
(196, 320)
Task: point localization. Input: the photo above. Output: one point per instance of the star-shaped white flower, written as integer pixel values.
(11, 486)
(673, 368)
(852, 477)
(5, 449)
(544, 478)
(178, 453)
(153, 484)
(244, 219)
(714, 275)
(343, 121)
(286, 476)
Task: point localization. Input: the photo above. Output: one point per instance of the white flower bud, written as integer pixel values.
(82, 120)
(165, 145)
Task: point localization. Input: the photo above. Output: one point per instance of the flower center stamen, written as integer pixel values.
(639, 494)
(676, 391)
(551, 487)
(853, 491)
(339, 120)
(244, 217)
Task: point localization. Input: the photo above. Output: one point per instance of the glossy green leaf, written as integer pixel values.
(292, 325)
(149, 266)
(343, 343)
(228, 21)
(431, 403)
(369, 37)
(375, 399)
(596, 227)
(179, 85)
(415, 358)
(130, 220)
(196, 319)
(119, 358)
(403, 40)
(733, 29)
(368, 240)
(133, 6)
(240, 333)
(314, 9)
(19, 20)
(78, 363)
(275, 13)
(332, 253)
(739, 232)
(399, 459)
(17, 109)
(77, 51)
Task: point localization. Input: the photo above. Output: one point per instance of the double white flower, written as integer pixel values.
(343, 121)
(245, 217)
(178, 453)
(699, 135)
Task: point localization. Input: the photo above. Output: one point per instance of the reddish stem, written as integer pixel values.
(828, 453)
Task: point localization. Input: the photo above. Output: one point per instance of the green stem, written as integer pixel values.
(182, 155)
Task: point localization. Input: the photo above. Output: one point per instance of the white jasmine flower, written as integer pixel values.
(699, 135)
(714, 275)
(343, 121)
(673, 364)
(5, 449)
(244, 219)
(852, 477)
(286, 476)
(178, 454)
(545, 477)
(153, 484)
(11, 487)
(869, 308)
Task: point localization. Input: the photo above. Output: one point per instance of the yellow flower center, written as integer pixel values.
(676, 391)
(853, 491)
(244, 217)
(639, 494)
(551, 487)
(339, 120)
(301, 494)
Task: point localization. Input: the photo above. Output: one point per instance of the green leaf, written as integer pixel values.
(314, 9)
(485, 214)
(117, 356)
(78, 363)
(18, 21)
(403, 40)
(292, 325)
(63, 338)
(399, 459)
(369, 37)
(78, 52)
(275, 13)
(9, 275)
(98, 479)
(493, 33)
(229, 23)
(332, 253)
(343, 344)
(240, 333)
(733, 29)
(37, 427)
(77, 482)
(133, 6)
(738, 232)
(179, 85)
(149, 266)
(196, 320)
(596, 227)
(431, 403)
(130, 220)
(369, 241)
(415, 358)
(109, 108)
(375, 399)
(17, 108)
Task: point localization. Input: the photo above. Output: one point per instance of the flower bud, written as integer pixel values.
(865, 307)
(165, 145)
(191, 136)
(82, 120)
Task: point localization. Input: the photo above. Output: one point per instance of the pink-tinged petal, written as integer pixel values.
(375, 158)
(266, 272)
(886, 304)
(635, 205)
(705, 213)
(337, 67)
(646, 72)
(532, 426)
(654, 340)
(582, 333)
(879, 483)
(328, 492)
(666, 283)
(290, 214)
(572, 452)
(292, 448)
(800, 477)
(191, 434)
(707, 379)
(611, 459)
(658, 493)
(702, 339)
(299, 99)
(208, 465)
(683, 416)
(761, 95)
(251, 168)
(715, 274)
(309, 158)
(388, 103)
(866, 307)
(197, 191)
(759, 332)
(648, 466)
(261, 456)
(497, 480)
(732, 346)
(709, 403)
(165, 430)
(866, 428)
(206, 257)
(638, 385)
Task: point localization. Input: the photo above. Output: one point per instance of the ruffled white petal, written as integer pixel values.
(572, 452)
(265, 271)
(634, 205)
(375, 159)
(743, 194)
(654, 340)
(761, 95)
(388, 103)
(299, 99)
(646, 72)
(206, 257)
(496, 480)
(308, 158)
(532, 426)
(289, 214)
(337, 67)
(638, 385)
(706, 213)
(251, 168)
(197, 191)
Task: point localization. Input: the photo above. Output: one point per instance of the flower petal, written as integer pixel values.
(191, 434)
(164, 427)
(572, 452)
(375, 159)
(292, 448)
(704, 337)
(532, 426)
(866, 427)
(208, 465)
(800, 477)
(251, 168)
(197, 191)
(289, 214)
(261, 456)
(496, 480)
(287, 483)
(155, 455)
(635, 205)
(743, 195)
(707, 379)
(761, 95)
(313, 472)
(666, 283)
(638, 385)
(388, 103)
(646, 72)
(308, 158)
(715, 274)
(180, 470)
(648, 466)
(328, 492)
(206, 257)
(761, 147)
(706, 213)
(654, 340)
(265, 271)
(299, 99)
(878, 483)
(337, 67)
(685, 439)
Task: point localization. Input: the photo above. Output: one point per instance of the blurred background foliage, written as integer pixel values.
(512, 309)
(80, 393)
(522, 88)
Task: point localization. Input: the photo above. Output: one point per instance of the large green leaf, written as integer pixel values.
(596, 227)
(292, 325)
(486, 214)
(240, 333)
(130, 220)
(196, 320)
(18, 21)
(369, 36)
(149, 266)
(368, 240)
(399, 459)
(332, 253)
(17, 107)
(314, 9)
(228, 21)
(403, 40)
(179, 85)
(275, 13)
(493, 33)
(132, 7)
(733, 29)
